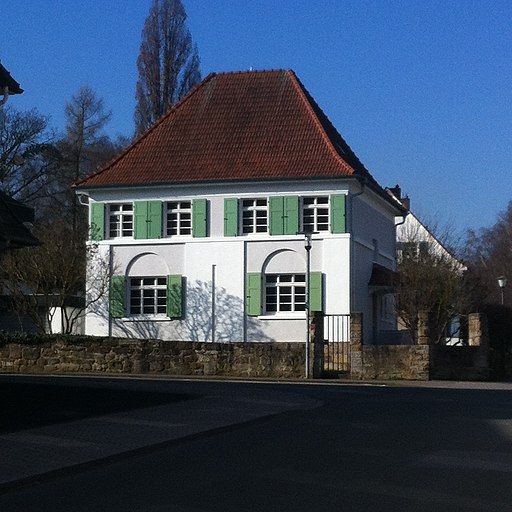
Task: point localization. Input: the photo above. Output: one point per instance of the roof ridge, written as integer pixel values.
(255, 71)
(135, 142)
(299, 86)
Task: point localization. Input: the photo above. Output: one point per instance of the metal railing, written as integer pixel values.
(336, 336)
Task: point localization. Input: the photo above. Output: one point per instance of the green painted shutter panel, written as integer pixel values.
(276, 212)
(338, 217)
(253, 294)
(231, 217)
(154, 218)
(97, 221)
(174, 296)
(291, 215)
(315, 291)
(199, 217)
(117, 296)
(140, 227)
(147, 219)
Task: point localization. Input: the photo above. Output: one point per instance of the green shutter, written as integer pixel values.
(147, 219)
(284, 215)
(140, 217)
(117, 296)
(154, 224)
(199, 217)
(276, 212)
(338, 224)
(230, 217)
(291, 215)
(315, 291)
(174, 296)
(253, 294)
(97, 221)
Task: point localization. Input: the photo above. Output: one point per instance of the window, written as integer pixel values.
(254, 215)
(315, 213)
(148, 296)
(285, 293)
(178, 218)
(152, 296)
(411, 250)
(120, 220)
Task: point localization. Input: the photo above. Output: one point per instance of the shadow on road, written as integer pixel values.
(24, 405)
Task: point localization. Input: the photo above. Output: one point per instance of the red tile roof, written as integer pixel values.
(236, 126)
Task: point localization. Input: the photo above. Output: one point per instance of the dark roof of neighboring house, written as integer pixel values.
(383, 277)
(7, 80)
(13, 216)
(236, 126)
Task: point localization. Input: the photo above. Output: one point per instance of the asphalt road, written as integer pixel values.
(135, 445)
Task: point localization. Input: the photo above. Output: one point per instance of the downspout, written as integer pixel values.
(352, 241)
(111, 270)
(404, 218)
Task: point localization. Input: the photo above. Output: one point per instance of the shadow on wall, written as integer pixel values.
(224, 313)
(200, 315)
(143, 329)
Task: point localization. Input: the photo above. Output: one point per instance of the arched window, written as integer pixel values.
(148, 290)
(284, 283)
(281, 287)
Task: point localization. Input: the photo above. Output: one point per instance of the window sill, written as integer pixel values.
(300, 315)
(146, 318)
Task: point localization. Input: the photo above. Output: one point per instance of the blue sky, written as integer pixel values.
(420, 89)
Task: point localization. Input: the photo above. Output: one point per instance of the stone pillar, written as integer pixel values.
(317, 338)
(424, 333)
(478, 336)
(356, 346)
(477, 330)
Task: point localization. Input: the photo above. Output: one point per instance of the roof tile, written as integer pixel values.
(236, 126)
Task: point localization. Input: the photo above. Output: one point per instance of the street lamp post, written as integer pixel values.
(502, 282)
(307, 306)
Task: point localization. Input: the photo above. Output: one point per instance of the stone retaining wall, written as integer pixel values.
(425, 361)
(127, 356)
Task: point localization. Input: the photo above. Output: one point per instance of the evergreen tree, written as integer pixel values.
(168, 62)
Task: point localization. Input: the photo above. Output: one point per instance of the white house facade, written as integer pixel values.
(205, 237)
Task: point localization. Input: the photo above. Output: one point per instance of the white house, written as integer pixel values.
(202, 220)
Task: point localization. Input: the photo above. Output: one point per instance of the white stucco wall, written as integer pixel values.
(344, 259)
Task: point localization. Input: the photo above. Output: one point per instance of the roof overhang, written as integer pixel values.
(383, 280)
(6, 80)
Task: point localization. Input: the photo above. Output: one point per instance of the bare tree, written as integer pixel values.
(86, 118)
(168, 62)
(489, 253)
(28, 156)
(48, 279)
(84, 147)
(431, 279)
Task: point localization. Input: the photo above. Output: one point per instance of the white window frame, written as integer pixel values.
(318, 221)
(252, 220)
(286, 301)
(123, 215)
(147, 296)
(179, 214)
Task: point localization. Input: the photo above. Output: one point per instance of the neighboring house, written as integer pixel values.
(8, 86)
(16, 220)
(14, 216)
(413, 237)
(201, 219)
